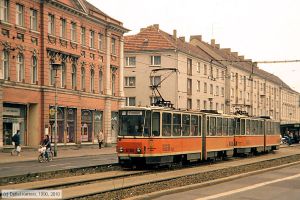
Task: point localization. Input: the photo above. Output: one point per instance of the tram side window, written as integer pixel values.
(264, 127)
(200, 125)
(219, 126)
(243, 126)
(176, 124)
(166, 124)
(278, 128)
(255, 127)
(194, 127)
(147, 124)
(252, 127)
(272, 128)
(260, 128)
(156, 124)
(247, 127)
(230, 126)
(186, 121)
(238, 126)
(225, 126)
(212, 126)
(269, 128)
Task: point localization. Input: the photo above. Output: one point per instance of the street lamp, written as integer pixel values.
(55, 66)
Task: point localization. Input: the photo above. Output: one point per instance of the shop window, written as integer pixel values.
(86, 126)
(71, 125)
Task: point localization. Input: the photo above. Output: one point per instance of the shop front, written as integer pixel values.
(14, 118)
(91, 125)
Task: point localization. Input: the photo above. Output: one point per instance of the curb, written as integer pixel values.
(205, 184)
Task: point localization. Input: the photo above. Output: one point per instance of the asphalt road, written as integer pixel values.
(20, 168)
(274, 185)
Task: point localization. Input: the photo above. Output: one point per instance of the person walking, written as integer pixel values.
(16, 140)
(100, 138)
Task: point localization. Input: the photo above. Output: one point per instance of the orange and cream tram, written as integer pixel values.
(160, 136)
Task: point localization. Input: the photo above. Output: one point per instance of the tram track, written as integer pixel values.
(119, 184)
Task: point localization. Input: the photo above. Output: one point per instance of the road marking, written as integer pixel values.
(247, 188)
(56, 165)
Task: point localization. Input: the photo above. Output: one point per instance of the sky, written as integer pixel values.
(261, 30)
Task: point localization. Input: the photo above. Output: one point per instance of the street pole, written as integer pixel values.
(55, 66)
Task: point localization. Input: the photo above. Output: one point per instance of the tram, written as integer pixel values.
(163, 136)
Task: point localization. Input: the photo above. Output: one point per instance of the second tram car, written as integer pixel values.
(160, 136)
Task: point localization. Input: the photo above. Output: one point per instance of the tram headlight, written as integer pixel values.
(138, 150)
(121, 149)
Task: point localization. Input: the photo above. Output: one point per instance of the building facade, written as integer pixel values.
(196, 84)
(208, 77)
(88, 46)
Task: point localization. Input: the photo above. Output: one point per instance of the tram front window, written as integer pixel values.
(132, 123)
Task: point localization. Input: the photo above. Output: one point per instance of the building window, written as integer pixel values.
(205, 69)
(211, 89)
(155, 60)
(198, 104)
(129, 81)
(205, 105)
(100, 41)
(217, 73)
(100, 82)
(34, 69)
(189, 86)
(130, 61)
(92, 83)
(217, 90)
(113, 80)
(222, 92)
(20, 67)
(73, 32)
(198, 67)
(74, 76)
(63, 28)
(20, 15)
(83, 42)
(5, 64)
(205, 87)
(130, 101)
(232, 92)
(217, 106)
(33, 19)
(223, 75)
(4, 9)
(92, 39)
(155, 80)
(189, 67)
(113, 46)
(82, 78)
(63, 74)
(189, 104)
(154, 99)
(232, 76)
(198, 86)
(52, 74)
(51, 24)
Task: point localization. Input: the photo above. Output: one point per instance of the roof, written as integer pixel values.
(154, 39)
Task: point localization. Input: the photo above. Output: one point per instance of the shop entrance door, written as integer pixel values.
(7, 133)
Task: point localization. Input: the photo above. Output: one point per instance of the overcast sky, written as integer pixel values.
(260, 30)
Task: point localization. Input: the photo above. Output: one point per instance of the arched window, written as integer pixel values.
(92, 86)
(34, 69)
(5, 64)
(63, 74)
(100, 82)
(74, 76)
(82, 78)
(20, 67)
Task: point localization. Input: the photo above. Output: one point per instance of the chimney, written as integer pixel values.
(212, 42)
(182, 38)
(241, 57)
(156, 26)
(175, 34)
(228, 50)
(196, 37)
(235, 54)
(218, 46)
(248, 60)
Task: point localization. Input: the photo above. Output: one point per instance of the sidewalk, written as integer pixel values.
(62, 152)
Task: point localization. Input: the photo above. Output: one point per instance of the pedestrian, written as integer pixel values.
(16, 140)
(100, 138)
(47, 143)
